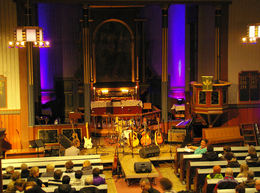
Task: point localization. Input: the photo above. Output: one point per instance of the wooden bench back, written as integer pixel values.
(219, 132)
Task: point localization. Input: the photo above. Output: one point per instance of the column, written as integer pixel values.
(164, 86)
(86, 63)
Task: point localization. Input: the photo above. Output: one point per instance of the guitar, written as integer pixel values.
(133, 139)
(87, 140)
(145, 140)
(75, 138)
(158, 135)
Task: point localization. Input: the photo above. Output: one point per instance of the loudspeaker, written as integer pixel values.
(64, 141)
(36, 143)
(149, 151)
(143, 167)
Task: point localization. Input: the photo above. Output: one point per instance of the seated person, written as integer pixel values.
(32, 187)
(252, 158)
(73, 150)
(243, 171)
(216, 173)
(250, 182)
(210, 155)
(34, 176)
(57, 178)
(97, 180)
(78, 181)
(228, 182)
(201, 149)
(9, 170)
(87, 168)
(89, 180)
(49, 171)
(10, 187)
(65, 187)
(19, 185)
(146, 186)
(226, 149)
(69, 169)
(25, 172)
(232, 161)
(240, 189)
(166, 185)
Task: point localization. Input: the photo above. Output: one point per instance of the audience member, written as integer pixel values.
(57, 178)
(146, 186)
(232, 161)
(10, 187)
(216, 173)
(97, 180)
(243, 171)
(257, 186)
(89, 180)
(49, 171)
(19, 185)
(73, 150)
(226, 149)
(252, 158)
(65, 187)
(32, 187)
(201, 149)
(228, 182)
(250, 182)
(8, 172)
(240, 189)
(25, 172)
(87, 168)
(210, 155)
(34, 176)
(78, 181)
(69, 169)
(166, 185)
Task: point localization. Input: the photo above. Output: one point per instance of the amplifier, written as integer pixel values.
(149, 151)
(143, 167)
(176, 135)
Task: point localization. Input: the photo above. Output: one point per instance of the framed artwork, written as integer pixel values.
(48, 135)
(3, 92)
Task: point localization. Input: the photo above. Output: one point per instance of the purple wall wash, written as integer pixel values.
(176, 50)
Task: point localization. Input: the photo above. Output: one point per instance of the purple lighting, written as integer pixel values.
(45, 72)
(176, 50)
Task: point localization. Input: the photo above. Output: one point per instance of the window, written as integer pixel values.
(249, 86)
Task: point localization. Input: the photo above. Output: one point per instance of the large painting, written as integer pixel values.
(113, 51)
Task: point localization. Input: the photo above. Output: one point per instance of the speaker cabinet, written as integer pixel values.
(143, 167)
(149, 151)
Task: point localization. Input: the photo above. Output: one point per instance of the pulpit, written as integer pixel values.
(212, 103)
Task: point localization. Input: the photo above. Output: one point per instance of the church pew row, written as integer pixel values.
(181, 151)
(42, 164)
(202, 173)
(248, 190)
(192, 165)
(193, 157)
(46, 179)
(211, 183)
(102, 188)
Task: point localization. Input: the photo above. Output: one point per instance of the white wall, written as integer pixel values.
(9, 65)
(241, 57)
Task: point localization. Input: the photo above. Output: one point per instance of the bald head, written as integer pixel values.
(229, 172)
(257, 184)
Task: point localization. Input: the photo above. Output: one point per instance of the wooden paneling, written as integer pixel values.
(11, 122)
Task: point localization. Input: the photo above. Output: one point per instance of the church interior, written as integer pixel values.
(128, 83)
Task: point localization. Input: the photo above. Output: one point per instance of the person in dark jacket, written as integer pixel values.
(252, 159)
(57, 178)
(65, 187)
(210, 155)
(34, 176)
(232, 161)
(8, 172)
(240, 188)
(250, 182)
(146, 186)
(32, 187)
(25, 172)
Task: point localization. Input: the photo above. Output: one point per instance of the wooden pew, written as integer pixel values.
(223, 135)
(202, 173)
(248, 190)
(202, 164)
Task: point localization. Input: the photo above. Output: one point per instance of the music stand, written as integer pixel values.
(36, 144)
